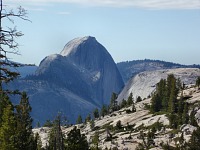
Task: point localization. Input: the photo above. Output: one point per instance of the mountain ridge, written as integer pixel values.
(129, 69)
(76, 80)
(124, 70)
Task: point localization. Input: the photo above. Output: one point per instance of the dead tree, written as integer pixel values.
(8, 44)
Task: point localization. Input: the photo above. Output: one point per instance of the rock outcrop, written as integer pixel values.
(82, 77)
(143, 84)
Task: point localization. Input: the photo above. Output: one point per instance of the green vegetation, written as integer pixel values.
(48, 123)
(123, 103)
(24, 123)
(88, 118)
(96, 113)
(79, 120)
(118, 125)
(56, 137)
(165, 100)
(198, 82)
(157, 126)
(104, 110)
(165, 97)
(147, 140)
(59, 141)
(76, 141)
(130, 100)
(194, 142)
(128, 103)
(16, 124)
(139, 99)
(113, 103)
(92, 124)
(7, 128)
(95, 141)
(15, 120)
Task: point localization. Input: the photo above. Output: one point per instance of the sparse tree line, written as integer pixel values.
(112, 107)
(60, 141)
(166, 100)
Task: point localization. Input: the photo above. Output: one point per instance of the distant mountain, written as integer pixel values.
(129, 69)
(76, 81)
(26, 70)
(23, 69)
(144, 83)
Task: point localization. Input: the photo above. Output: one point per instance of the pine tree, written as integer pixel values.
(123, 103)
(4, 101)
(173, 92)
(9, 121)
(133, 107)
(7, 128)
(118, 125)
(162, 94)
(8, 44)
(88, 118)
(130, 99)
(95, 140)
(92, 124)
(150, 138)
(96, 113)
(144, 144)
(185, 116)
(113, 103)
(155, 103)
(79, 120)
(38, 142)
(172, 103)
(165, 96)
(104, 110)
(193, 119)
(159, 99)
(48, 123)
(139, 99)
(182, 142)
(24, 123)
(173, 120)
(198, 82)
(194, 142)
(181, 104)
(76, 141)
(56, 137)
(179, 84)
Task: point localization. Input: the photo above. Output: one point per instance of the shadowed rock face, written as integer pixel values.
(79, 79)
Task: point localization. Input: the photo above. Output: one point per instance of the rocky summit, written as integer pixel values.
(76, 81)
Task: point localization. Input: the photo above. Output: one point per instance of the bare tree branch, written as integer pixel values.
(8, 44)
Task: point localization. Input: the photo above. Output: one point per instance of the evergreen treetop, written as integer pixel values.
(76, 141)
(130, 99)
(198, 82)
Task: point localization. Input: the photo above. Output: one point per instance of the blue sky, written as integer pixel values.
(129, 29)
